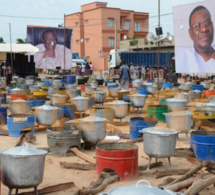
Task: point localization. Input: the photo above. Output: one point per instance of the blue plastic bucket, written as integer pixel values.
(150, 81)
(3, 115)
(141, 91)
(112, 86)
(143, 87)
(15, 127)
(66, 110)
(203, 145)
(4, 98)
(198, 87)
(47, 84)
(34, 103)
(70, 79)
(166, 85)
(139, 123)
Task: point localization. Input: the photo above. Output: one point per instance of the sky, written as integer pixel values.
(20, 13)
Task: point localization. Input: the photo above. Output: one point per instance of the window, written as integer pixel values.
(137, 27)
(76, 24)
(127, 25)
(111, 42)
(110, 23)
(77, 41)
(86, 22)
(87, 40)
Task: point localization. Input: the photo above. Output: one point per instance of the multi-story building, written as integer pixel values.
(94, 30)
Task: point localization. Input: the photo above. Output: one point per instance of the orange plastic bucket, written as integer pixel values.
(18, 96)
(207, 93)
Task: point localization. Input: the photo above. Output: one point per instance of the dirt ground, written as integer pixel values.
(54, 174)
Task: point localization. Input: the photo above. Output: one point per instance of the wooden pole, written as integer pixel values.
(11, 56)
(64, 71)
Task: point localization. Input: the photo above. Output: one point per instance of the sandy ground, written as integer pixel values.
(54, 174)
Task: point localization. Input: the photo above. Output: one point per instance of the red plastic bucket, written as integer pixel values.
(83, 87)
(18, 96)
(131, 85)
(119, 157)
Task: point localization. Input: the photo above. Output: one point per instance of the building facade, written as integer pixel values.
(94, 30)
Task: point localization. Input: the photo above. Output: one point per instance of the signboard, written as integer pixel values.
(194, 37)
(50, 42)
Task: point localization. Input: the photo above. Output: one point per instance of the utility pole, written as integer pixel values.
(158, 59)
(115, 39)
(64, 71)
(11, 57)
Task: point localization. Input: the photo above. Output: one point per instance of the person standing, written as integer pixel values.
(140, 71)
(124, 76)
(91, 67)
(83, 69)
(164, 71)
(147, 71)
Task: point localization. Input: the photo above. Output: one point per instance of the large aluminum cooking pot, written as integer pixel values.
(34, 88)
(89, 90)
(151, 88)
(175, 104)
(22, 167)
(71, 86)
(206, 84)
(210, 106)
(46, 114)
(180, 121)
(19, 106)
(93, 128)
(159, 144)
(81, 103)
(100, 96)
(183, 96)
(195, 94)
(138, 100)
(120, 108)
(16, 91)
(158, 85)
(73, 93)
(57, 99)
(186, 86)
(113, 92)
(94, 84)
(29, 81)
(137, 83)
(140, 189)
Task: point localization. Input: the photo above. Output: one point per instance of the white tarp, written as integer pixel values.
(19, 48)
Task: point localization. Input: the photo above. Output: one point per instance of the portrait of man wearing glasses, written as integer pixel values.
(200, 58)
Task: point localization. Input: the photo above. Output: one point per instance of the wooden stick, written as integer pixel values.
(144, 167)
(183, 153)
(79, 166)
(83, 156)
(190, 173)
(139, 139)
(168, 172)
(19, 140)
(166, 181)
(3, 132)
(180, 185)
(51, 189)
(199, 185)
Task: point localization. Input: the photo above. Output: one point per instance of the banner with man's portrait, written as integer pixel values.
(50, 41)
(194, 37)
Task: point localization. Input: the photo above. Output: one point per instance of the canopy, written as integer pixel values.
(18, 48)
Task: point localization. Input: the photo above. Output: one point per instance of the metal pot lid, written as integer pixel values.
(212, 104)
(80, 98)
(93, 118)
(175, 100)
(137, 81)
(16, 89)
(159, 131)
(102, 92)
(196, 91)
(24, 150)
(47, 107)
(138, 189)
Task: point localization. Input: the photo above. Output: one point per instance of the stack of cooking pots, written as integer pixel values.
(22, 167)
(206, 84)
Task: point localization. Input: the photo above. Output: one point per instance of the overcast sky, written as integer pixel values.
(21, 13)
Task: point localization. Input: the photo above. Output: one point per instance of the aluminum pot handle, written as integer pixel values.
(141, 181)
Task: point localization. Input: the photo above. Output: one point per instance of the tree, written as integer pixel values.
(1, 40)
(21, 41)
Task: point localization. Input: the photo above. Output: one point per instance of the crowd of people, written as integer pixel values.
(84, 69)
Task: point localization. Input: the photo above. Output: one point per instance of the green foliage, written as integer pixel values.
(1, 40)
(21, 41)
